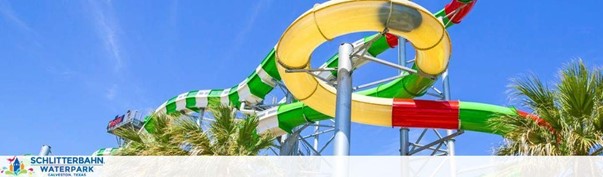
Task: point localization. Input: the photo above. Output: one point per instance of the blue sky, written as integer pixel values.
(68, 67)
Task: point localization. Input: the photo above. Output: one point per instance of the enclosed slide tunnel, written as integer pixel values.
(389, 104)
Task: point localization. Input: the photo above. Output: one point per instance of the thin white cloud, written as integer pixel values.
(249, 25)
(61, 71)
(116, 87)
(108, 30)
(173, 18)
(111, 92)
(7, 12)
(240, 38)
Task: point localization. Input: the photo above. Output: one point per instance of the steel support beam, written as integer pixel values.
(404, 137)
(378, 82)
(200, 118)
(446, 138)
(343, 105)
(404, 144)
(316, 131)
(390, 64)
(450, 142)
(290, 144)
(446, 84)
(309, 70)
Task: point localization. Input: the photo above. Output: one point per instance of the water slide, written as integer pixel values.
(390, 104)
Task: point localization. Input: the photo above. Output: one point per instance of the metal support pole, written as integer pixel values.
(404, 144)
(290, 144)
(404, 138)
(44, 151)
(343, 108)
(450, 142)
(401, 53)
(316, 130)
(387, 63)
(446, 83)
(200, 118)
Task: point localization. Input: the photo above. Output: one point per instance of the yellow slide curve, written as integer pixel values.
(336, 18)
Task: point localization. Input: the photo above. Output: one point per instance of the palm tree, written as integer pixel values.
(180, 135)
(570, 112)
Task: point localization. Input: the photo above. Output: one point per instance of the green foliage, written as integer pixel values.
(572, 114)
(180, 135)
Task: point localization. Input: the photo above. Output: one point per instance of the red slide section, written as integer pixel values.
(462, 12)
(536, 119)
(391, 39)
(425, 114)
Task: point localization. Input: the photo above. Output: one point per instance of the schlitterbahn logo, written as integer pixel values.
(67, 166)
(16, 168)
(49, 166)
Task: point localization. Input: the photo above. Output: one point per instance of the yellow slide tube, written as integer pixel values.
(336, 18)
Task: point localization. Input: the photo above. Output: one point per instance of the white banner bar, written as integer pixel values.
(299, 166)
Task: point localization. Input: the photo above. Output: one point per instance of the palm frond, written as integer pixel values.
(128, 134)
(536, 95)
(224, 126)
(179, 134)
(573, 108)
(576, 90)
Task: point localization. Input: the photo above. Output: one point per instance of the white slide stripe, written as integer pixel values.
(265, 77)
(224, 97)
(181, 101)
(268, 122)
(201, 98)
(162, 108)
(245, 94)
